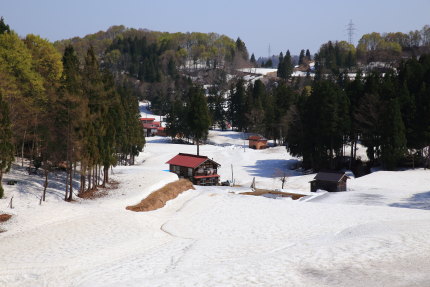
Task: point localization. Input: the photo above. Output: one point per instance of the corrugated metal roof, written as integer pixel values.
(188, 160)
(329, 176)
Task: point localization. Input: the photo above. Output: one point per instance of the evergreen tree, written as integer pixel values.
(6, 145)
(285, 68)
(254, 107)
(4, 28)
(308, 55)
(237, 105)
(253, 61)
(241, 49)
(175, 120)
(301, 57)
(198, 115)
(393, 142)
(281, 69)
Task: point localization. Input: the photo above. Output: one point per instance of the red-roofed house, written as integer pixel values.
(147, 120)
(152, 128)
(199, 169)
(257, 142)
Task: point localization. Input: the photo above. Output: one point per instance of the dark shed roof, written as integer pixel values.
(329, 176)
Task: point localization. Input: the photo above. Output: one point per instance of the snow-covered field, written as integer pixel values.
(375, 234)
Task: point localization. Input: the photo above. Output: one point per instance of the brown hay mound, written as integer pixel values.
(158, 198)
(5, 217)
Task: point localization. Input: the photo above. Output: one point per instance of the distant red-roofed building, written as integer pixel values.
(257, 142)
(199, 169)
(152, 128)
(161, 131)
(147, 120)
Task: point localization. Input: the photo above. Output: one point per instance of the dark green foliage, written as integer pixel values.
(216, 103)
(285, 67)
(323, 118)
(6, 146)
(308, 55)
(241, 49)
(237, 106)
(335, 57)
(393, 140)
(301, 57)
(4, 28)
(198, 114)
(252, 60)
(176, 120)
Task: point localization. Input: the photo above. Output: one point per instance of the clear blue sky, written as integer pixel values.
(283, 24)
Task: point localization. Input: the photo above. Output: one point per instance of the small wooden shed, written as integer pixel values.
(257, 142)
(329, 181)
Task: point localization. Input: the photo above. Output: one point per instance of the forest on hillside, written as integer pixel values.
(60, 112)
(73, 104)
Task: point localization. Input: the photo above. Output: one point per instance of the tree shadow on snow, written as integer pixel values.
(273, 168)
(33, 184)
(417, 201)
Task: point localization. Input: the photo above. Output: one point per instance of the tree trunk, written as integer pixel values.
(89, 179)
(22, 148)
(71, 182)
(82, 188)
(198, 147)
(1, 186)
(45, 185)
(105, 175)
(66, 196)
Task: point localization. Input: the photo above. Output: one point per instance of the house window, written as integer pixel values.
(190, 172)
(176, 169)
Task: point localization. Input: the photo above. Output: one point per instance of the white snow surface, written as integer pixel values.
(145, 112)
(213, 236)
(259, 71)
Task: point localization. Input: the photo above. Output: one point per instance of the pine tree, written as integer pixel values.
(308, 55)
(237, 105)
(241, 49)
(253, 59)
(198, 115)
(4, 28)
(6, 146)
(393, 142)
(301, 57)
(285, 68)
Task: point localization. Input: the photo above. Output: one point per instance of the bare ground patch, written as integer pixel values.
(260, 192)
(99, 192)
(158, 198)
(3, 218)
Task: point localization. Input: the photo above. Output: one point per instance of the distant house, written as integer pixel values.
(161, 131)
(329, 181)
(257, 142)
(199, 169)
(152, 128)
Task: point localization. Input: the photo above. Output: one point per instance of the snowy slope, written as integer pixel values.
(213, 236)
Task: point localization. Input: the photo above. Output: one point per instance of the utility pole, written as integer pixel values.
(350, 29)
